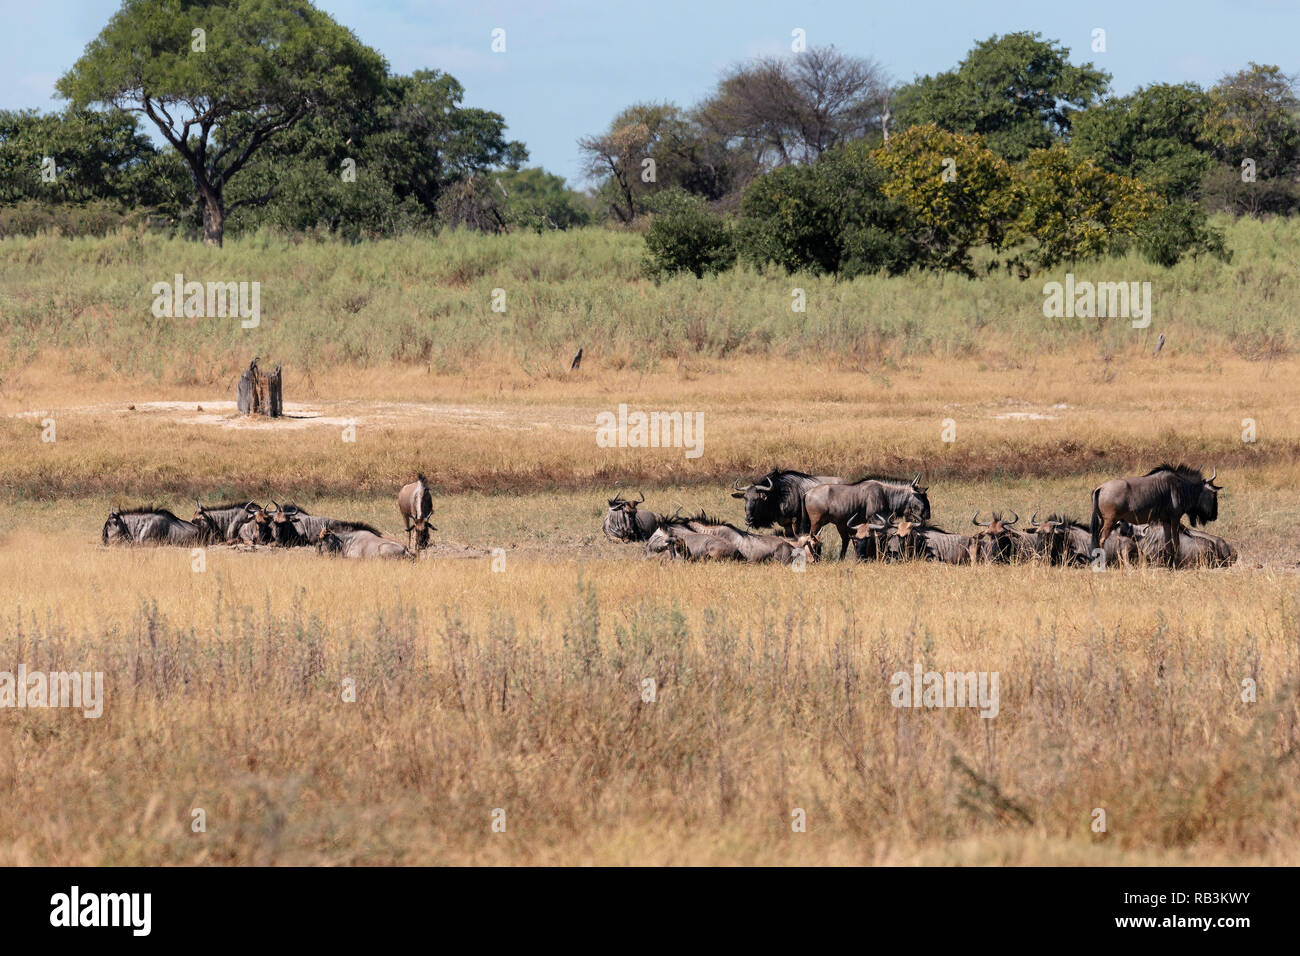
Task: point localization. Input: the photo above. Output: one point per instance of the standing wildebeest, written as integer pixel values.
(151, 526)
(223, 522)
(625, 521)
(1161, 496)
(837, 504)
(999, 542)
(1195, 548)
(416, 505)
(778, 499)
(351, 539)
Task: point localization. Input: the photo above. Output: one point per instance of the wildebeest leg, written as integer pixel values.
(1174, 550)
(1106, 526)
(845, 537)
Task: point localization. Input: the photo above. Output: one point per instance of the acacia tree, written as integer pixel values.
(220, 78)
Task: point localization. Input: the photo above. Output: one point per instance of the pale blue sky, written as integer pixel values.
(570, 65)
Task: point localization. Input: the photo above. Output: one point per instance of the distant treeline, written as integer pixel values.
(1015, 159)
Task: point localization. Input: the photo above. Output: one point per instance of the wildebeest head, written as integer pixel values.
(115, 528)
(620, 521)
(1206, 508)
(810, 545)
(918, 502)
(283, 530)
(327, 542)
(870, 537)
(762, 499)
(1000, 533)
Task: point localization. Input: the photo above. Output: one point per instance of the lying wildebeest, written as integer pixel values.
(223, 522)
(294, 527)
(909, 537)
(1161, 496)
(1195, 548)
(754, 548)
(837, 504)
(260, 530)
(1065, 541)
(692, 545)
(416, 505)
(351, 539)
(626, 521)
(999, 541)
(778, 499)
(151, 526)
(870, 538)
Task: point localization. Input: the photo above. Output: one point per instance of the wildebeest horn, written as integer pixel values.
(850, 523)
(1215, 475)
(768, 486)
(975, 520)
(641, 499)
(1034, 518)
(736, 484)
(916, 479)
(1015, 519)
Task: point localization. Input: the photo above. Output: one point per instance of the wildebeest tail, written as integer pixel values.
(1095, 525)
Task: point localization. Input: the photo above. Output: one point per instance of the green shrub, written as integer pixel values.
(684, 236)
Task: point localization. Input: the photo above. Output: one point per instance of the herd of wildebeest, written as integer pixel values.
(1134, 520)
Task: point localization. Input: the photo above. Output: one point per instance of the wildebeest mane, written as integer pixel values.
(1186, 472)
(230, 506)
(340, 524)
(147, 510)
(1067, 520)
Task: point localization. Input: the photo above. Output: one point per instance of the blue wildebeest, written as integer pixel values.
(1065, 541)
(151, 526)
(1195, 548)
(837, 504)
(259, 530)
(778, 499)
(416, 505)
(1161, 496)
(999, 542)
(294, 527)
(223, 522)
(352, 539)
(870, 538)
(627, 521)
(754, 548)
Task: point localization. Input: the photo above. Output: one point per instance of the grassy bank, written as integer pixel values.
(427, 304)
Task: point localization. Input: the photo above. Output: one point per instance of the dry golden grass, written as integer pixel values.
(521, 690)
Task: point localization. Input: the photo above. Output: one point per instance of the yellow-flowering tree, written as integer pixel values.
(960, 194)
(1073, 209)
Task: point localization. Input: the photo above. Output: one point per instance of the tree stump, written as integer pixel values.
(259, 393)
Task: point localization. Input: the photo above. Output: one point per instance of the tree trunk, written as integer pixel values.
(214, 219)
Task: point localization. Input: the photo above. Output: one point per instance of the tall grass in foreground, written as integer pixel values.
(238, 709)
(428, 302)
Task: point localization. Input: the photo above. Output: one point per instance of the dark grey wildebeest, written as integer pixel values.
(1065, 541)
(999, 541)
(351, 539)
(778, 499)
(870, 538)
(294, 527)
(155, 526)
(416, 505)
(627, 521)
(1161, 496)
(1195, 548)
(223, 522)
(837, 504)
